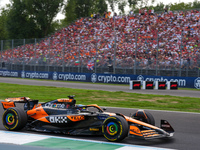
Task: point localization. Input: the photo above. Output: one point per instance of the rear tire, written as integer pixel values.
(144, 116)
(14, 119)
(115, 128)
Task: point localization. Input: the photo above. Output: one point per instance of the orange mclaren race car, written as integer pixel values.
(64, 116)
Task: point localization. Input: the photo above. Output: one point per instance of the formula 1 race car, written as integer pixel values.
(65, 116)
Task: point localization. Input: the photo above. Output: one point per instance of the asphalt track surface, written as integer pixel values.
(186, 125)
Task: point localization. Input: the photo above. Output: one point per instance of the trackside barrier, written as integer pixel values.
(172, 85)
(160, 85)
(131, 85)
(147, 85)
(135, 84)
(183, 82)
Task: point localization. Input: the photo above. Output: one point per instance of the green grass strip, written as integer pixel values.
(103, 98)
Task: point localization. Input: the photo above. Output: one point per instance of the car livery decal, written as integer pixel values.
(76, 118)
(58, 119)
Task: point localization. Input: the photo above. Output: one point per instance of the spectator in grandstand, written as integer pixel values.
(177, 32)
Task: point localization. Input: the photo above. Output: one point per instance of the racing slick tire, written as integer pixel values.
(144, 116)
(115, 128)
(14, 118)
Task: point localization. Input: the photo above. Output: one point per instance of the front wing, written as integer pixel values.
(146, 131)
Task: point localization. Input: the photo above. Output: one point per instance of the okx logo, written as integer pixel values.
(197, 83)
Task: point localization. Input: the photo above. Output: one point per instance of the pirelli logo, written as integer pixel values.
(94, 129)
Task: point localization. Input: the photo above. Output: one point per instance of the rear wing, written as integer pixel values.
(10, 102)
(7, 105)
(17, 99)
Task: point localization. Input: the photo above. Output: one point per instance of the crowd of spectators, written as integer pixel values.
(146, 40)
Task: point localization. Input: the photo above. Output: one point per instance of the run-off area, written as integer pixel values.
(54, 142)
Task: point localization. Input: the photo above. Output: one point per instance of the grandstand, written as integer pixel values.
(149, 44)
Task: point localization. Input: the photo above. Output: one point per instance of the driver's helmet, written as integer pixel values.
(80, 107)
(71, 104)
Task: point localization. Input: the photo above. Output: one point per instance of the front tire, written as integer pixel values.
(144, 116)
(115, 128)
(14, 119)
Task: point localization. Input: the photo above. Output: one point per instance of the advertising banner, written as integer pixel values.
(184, 82)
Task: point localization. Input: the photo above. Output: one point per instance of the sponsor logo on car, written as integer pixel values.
(165, 125)
(94, 129)
(55, 105)
(102, 117)
(58, 119)
(76, 118)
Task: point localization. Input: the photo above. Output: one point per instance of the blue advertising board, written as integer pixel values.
(185, 82)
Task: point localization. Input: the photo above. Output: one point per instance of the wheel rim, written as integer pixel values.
(10, 119)
(112, 128)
